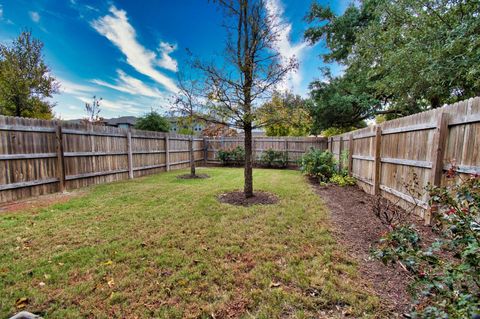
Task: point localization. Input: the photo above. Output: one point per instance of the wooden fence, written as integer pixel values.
(40, 157)
(295, 147)
(386, 157)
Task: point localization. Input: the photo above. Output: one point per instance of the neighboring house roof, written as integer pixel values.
(130, 120)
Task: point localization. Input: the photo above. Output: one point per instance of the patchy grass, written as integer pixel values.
(164, 247)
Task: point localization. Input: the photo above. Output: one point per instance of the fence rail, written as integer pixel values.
(387, 157)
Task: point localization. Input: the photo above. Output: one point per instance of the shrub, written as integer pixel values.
(273, 159)
(153, 121)
(342, 180)
(446, 274)
(318, 164)
(234, 156)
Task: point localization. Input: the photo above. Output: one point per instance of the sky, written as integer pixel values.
(129, 52)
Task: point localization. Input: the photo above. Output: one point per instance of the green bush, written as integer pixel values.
(273, 159)
(342, 180)
(446, 273)
(318, 164)
(234, 156)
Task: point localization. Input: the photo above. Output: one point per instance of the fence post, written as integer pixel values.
(340, 150)
(350, 155)
(130, 157)
(286, 149)
(330, 144)
(167, 153)
(205, 150)
(377, 158)
(191, 153)
(438, 151)
(60, 159)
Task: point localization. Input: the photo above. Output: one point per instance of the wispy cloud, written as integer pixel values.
(128, 84)
(74, 88)
(116, 28)
(35, 16)
(166, 61)
(1, 12)
(285, 46)
(115, 106)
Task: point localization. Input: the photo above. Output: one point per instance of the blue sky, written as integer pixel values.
(128, 52)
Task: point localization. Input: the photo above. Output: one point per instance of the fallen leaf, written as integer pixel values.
(108, 263)
(21, 302)
(111, 283)
(275, 284)
(41, 284)
(47, 276)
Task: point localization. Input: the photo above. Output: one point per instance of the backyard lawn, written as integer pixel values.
(164, 247)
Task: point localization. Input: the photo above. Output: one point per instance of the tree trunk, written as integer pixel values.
(192, 157)
(435, 102)
(248, 186)
(18, 107)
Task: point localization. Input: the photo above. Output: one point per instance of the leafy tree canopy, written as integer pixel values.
(153, 121)
(25, 80)
(285, 114)
(407, 56)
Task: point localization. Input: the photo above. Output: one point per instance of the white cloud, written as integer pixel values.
(74, 88)
(285, 47)
(1, 12)
(118, 106)
(116, 28)
(166, 61)
(131, 85)
(35, 16)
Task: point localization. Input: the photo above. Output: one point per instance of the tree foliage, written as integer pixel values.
(25, 80)
(400, 57)
(286, 114)
(93, 110)
(153, 121)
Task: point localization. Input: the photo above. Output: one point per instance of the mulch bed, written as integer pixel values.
(197, 176)
(238, 198)
(358, 229)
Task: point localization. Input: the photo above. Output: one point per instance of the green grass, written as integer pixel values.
(163, 247)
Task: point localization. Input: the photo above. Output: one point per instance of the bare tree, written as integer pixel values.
(93, 110)
(188, 103)
(252, 69)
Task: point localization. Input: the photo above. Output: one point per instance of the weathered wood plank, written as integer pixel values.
(130, 158)
(92, 133)
(95, 174)
(405, 197)
(363, 157)
(406, 162)
(28, 183)
(167, 153)
(350, 154)
(411, 128)
(377, 160)
(20, 128)
(60, 159)
(27, 156)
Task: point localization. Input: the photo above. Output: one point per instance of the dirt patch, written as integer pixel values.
(238, 198)
(358, 229)
(196, 176)
(35, 203)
